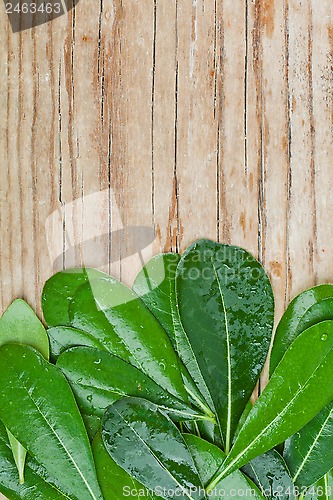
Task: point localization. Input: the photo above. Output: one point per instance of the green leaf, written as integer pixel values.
(324, 487)
(186, 353)
(321, 311)
(208, 458)
(59, 290)
(86, 315)
(19, 454)
(283, 408)
(20, 324)
(114, 481)
(270, 473)
(203, 429)
(143, 440)
(64, 337)
(37, 485)
(98, 379)
(155, 285)
(38, 407)
(308, 308)
(226, 307)
(120, 320)
(209, 431)
(322, 490)
(243, 418)
(92, 424)
(309, 452)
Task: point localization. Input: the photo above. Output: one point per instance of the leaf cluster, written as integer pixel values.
(155, 391)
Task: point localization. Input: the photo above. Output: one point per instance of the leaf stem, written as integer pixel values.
(325, 494)
(228, 430)
(201, 405)
(326, 485)
(197, 429)
(206, 418)
(19, 454)
(218, 477)
(191, 416)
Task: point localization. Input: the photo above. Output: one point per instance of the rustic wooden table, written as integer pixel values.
(200, 118)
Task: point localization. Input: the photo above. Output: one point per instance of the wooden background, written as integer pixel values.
(203, 118)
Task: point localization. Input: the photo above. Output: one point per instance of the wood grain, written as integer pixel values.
(196, 117)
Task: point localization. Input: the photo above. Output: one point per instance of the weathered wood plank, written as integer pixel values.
(322, 78)
(302, 202)
(196, 123)
(138, 128)
(134, 199)
(164, 124)
(231, 85)
(269, 138)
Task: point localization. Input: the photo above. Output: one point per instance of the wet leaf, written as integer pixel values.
(19, 454)
(155, 285)
(283, 408)
(322, 490)
(226, 307)
(20, 324)
(86, 315)
(208, 458)
(309, 452)
(92, 424)
(243, 418)
(64, 337)
(59, 290)
(115, 482)
(98, 379)
(147, 444)
(307, 309)
(118, 319)
(270, 473)
(37, 485)
(38, 407)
